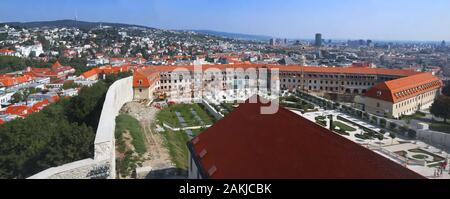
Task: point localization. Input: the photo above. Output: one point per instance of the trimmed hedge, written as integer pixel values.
(370, 131)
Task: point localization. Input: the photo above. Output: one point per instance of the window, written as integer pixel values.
(140, 90)
(378, 104)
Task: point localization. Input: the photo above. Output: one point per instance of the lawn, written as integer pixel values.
(294, 102)
(175, 141)
(130, 159)
(436, 158)
(321, 120)
(126, 122)
(416, 115)
(441, 127)
(343, 126)
(168, 116)
(228, 106)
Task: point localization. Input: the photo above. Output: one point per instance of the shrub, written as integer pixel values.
(392, 135)
(321, 120)
(362, 136)
(341, 131)
(392, 125)
(412, 133)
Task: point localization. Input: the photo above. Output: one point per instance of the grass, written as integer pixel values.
(296, 103)
(228, 106)
(131, 159)
(419, 156)
(321, 120)
(416, 115)
(169, 117)
(126, 122)
(441, 127)
(176, 143)
(343, 126)
(436, 158)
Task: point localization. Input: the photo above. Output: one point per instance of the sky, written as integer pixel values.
(419, 20)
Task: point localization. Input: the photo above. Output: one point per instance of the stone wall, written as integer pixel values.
(103, 163)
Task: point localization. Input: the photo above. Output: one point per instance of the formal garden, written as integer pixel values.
(293, 102)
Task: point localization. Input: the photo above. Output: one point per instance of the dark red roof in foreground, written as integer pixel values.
(246, 144)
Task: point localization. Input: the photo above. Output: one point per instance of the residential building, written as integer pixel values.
(403, 96)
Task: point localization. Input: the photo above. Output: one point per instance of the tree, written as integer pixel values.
(60, 133)
(17, 97)
(3, 36)
(441, 107)
(446, 90)
(45, 43)
(69, 85)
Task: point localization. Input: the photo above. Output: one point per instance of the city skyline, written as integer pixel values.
(415, 20)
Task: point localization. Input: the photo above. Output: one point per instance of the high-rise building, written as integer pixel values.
(443, 43)
(318, 42)
(272, 42)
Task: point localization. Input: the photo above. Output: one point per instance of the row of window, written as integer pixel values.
(414, 100)
(417, 89)
(331, 82)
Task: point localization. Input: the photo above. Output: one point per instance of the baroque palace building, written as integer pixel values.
(385, 92)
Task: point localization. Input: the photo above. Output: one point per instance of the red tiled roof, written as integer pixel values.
(55, 98)
(90, 73)
(404, 88)
(144, 78)
(39, 105)
(20, 110)
(56, 65)
(295, 68)
(14, 80)
(6, 51)
(246, 144)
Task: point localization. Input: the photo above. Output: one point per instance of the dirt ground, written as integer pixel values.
(157, 155)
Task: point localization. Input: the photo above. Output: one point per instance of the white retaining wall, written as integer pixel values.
(434, 138)
(211, 110)
(103, 163)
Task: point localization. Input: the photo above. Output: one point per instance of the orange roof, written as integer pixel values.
(11, 81)
(39, 105)
(6, 51)
(404, 88)
(90, 73)
(144, 78)
(1, 122)
(55, 98)
(56, 65)
(20, 110)
(297, 68)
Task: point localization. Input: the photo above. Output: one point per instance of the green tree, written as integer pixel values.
(446, 90)
(441, 107)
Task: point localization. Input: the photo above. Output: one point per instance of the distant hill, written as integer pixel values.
(70, 24)
(234, 35)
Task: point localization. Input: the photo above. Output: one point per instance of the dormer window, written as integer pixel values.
(140, 82)
(379, 93)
